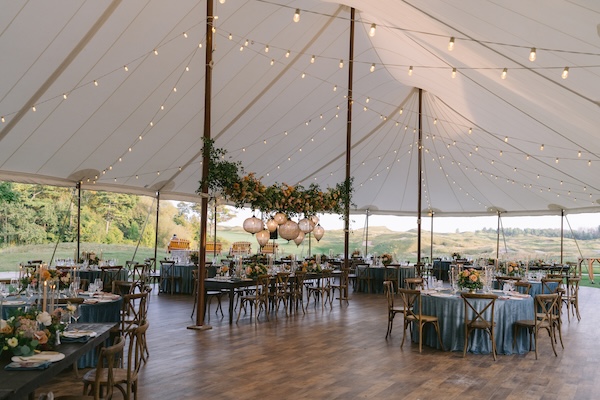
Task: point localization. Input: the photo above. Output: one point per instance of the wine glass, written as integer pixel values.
(98, 284)
(29, 291)
(3, 294)
(15, 285)
(76, 313)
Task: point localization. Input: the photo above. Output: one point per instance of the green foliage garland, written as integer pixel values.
(248, 191)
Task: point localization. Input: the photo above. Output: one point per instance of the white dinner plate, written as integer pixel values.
(441, 295)
(13, 302)
(52, 356)
(78, 334)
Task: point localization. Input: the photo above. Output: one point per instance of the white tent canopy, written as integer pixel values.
(118, 93)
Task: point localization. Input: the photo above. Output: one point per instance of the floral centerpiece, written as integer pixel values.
(456, 255)
(356, 254)
(254, 270)
(512, 269)
(26, 331)
(62, 278)
(311, 265)
(470, 279)
(386, 259)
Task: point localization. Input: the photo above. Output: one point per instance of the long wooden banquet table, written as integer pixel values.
(104, 311)
(449, 308)
(231, 284)
(21, 384)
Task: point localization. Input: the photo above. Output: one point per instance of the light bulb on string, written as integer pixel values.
(504, 73)
(453, 73)
(532, 54)
(451, 44)
(565, 73)
(372, 68)
(312, 59)
(266, 48)
(287, 54)
(341, 63)
(296, 17)
(95, 83)
(372, 30)
(410, 70)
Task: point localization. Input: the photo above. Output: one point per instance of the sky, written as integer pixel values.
(445, 224)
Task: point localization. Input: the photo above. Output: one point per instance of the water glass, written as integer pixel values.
(98, 284)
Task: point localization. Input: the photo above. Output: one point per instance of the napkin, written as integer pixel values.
(106, 296)
(27, 365)
(74, 339)
(518, 294)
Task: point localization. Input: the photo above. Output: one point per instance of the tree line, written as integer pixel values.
(577, 234)
(39, 214)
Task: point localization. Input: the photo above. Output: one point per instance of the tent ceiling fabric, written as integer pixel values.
(117, 108)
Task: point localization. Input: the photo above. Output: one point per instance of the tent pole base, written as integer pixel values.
(200, 327)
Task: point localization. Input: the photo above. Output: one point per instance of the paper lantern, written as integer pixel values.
(306, 225)
(280, 218)
(272, 225)
(253, 225)
(289, 230)
(263, 237)
(299, 238)
(318, 232)
(314, 219)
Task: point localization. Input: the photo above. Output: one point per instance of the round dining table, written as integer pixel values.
(450, 310)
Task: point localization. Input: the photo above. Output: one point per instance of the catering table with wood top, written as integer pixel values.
(231, 284)
(449, 308)
(103, 311)
(20, 384)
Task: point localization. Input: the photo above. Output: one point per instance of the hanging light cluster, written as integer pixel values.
(287, 229)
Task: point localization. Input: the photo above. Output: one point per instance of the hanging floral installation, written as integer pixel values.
(227, 179)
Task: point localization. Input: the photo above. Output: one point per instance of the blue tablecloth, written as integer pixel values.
(451, 313)
(186, 285)
(536, 288)
(92, 275)
(378, 274)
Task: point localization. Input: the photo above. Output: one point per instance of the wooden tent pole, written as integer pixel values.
(349, 140)
(367, 235)
(431, 240)
(156, 232)
(419, 185)
(205, 163)
(562, 234)
(78, 222)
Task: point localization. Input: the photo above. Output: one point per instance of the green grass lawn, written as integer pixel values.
(402, 244)
(11, 257)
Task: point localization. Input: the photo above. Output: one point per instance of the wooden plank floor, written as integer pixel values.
(342, 354)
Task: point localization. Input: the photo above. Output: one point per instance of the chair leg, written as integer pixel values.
(404, 333)
(439, 335)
